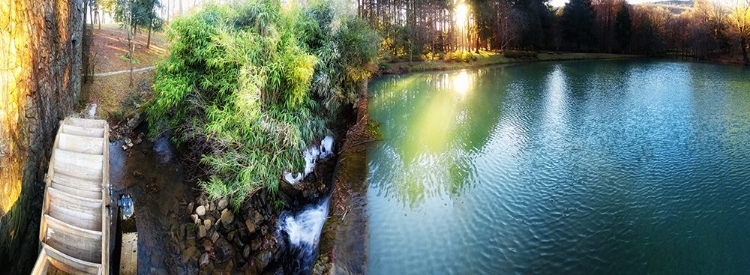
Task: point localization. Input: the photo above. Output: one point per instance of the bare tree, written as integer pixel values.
(740, 18)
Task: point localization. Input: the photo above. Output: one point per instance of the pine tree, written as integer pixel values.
(578, 22)
(623, 26)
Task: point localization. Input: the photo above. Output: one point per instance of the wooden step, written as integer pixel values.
(74, 241)
(81, 144)
(81, 165)
(77, 192)
(79, 211)
(82, 131)
(77, 183)
(69, 264)
(86, 123)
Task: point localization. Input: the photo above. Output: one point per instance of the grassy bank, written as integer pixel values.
(490, 58)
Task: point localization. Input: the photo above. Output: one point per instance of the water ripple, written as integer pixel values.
(563, 168)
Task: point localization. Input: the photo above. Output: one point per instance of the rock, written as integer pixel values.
(134, 121)
(223, 203)
(204, 260)
(263, 259)
(250, 226)
(183, 229)
(190, 231)
(258, 219)
(195, 219)
(200, 210)
(188, 253)
(201, 232)
(225, 268)
(226, 217)
(246, 252)
(255, 244)
(223, 250)
(207, 244)
(207, 223)
(190, 207)
(215, 236)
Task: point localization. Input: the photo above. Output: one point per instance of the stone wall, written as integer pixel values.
(40, 65)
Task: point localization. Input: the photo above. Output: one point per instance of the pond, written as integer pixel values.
(585, 167)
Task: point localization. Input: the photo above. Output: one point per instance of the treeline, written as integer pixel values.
(424, 28)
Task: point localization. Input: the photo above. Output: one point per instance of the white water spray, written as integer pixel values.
(303, 230)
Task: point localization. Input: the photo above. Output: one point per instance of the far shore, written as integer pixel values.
(491, 59)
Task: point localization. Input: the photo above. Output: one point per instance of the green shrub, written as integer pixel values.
(520, 54)
(252, 81)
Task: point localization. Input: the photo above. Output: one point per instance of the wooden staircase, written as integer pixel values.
(74, 229)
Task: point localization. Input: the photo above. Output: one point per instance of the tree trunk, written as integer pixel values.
(743, 45)
(150, 26)
(86, 39)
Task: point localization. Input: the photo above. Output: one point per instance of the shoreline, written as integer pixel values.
(401, 67)
(343, 240)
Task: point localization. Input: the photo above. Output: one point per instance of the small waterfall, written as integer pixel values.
(92, 110)
(302, 232)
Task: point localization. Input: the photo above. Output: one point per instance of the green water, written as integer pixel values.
(590, 167)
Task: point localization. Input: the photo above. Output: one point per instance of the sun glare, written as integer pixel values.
(461, 83)
(462, 13)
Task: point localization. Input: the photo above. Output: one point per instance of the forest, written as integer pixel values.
(425, 29)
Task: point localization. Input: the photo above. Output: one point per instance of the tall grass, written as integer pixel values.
(257, 83)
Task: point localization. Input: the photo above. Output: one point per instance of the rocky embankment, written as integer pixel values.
(343, 245)
(217, 239)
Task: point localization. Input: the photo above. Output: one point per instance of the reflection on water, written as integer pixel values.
(432, 145)
(595, 167)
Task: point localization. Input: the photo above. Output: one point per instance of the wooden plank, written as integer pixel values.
(48, 183)
(80, 165)
(42, 264)
(77, 242)
(82, 131)
(77, 192)
(69, 264)
(86, 123)
(129, 256)
(105, 210)
(81, 144)
(78, 211)
(59, 225)
(78, 183)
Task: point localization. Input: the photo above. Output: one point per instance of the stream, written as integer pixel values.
(152, 174)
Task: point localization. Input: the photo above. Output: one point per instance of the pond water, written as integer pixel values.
(586, 167)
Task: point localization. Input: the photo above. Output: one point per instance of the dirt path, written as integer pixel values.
(126, 71)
